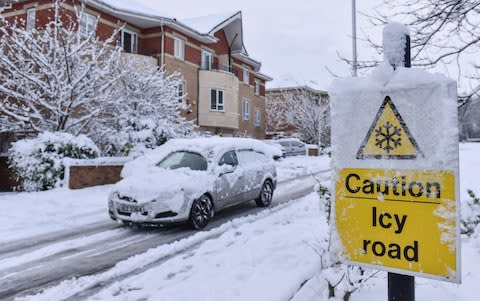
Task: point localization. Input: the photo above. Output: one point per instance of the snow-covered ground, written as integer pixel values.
(265, 256)
(28, 214)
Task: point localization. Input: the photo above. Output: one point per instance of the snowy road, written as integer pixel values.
(26, 266)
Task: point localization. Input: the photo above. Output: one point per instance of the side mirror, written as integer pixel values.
(225, 169)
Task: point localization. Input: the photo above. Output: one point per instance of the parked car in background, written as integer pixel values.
(292, 146)
(281, 150)
(191, 179)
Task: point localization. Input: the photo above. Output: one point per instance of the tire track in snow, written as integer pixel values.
(101, 255)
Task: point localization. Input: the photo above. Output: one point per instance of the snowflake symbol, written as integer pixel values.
(388, 137)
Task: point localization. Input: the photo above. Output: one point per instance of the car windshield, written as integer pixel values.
(181, 159)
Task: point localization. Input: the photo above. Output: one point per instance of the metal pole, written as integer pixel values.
(402, 287)
(354, 38)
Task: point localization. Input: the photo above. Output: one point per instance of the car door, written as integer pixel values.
(230, 183)
(251, 162)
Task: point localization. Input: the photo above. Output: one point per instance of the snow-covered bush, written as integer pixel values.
(38, 163)
(341, 280)
(470, 214)
(148, 111)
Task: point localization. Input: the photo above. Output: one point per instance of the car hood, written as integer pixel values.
(163, 184)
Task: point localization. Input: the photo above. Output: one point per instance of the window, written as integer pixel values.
(229, 158)
(256, 89)
(246, 107)
(179, 48)
(251, 157)
(258, 117)
(181, 91)
(183, 159)
(30, 23)
(216, 100)
(207, 60)
(88, 23)
(246, 76)
(129, 41)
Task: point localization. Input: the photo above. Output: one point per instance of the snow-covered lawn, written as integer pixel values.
(266, 256)
(28, 214)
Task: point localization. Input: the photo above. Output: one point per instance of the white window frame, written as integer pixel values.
(133, 42)
(206, 64)
(180, 91)
(256, 88)
(258, 117)
(246, 76)
(31, 19)
(219, 104)
(88, 24)
(179, 48)
(246, 109)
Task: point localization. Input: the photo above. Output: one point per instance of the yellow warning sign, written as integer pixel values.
(388, 136)
(398, 219)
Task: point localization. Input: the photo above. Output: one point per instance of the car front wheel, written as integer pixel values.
(201, 213)
(266, 195)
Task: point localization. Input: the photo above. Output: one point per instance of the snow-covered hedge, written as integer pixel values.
(470, 214)
(38, 163)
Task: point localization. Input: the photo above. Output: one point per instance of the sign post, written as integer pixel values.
(395, 164)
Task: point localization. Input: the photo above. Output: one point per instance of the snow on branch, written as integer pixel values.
(54, 78)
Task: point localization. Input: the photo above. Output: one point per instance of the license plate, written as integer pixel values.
(129, 208)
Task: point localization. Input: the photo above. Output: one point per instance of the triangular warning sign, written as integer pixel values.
(388, 136)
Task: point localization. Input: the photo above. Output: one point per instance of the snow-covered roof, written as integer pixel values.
(288, 81)
(134, 7)
(205, 146)
(209, 24)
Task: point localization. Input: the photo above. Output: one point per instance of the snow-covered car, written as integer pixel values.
(292, 146)
(191, 179)
(280, 153)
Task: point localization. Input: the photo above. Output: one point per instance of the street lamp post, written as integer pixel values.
(354, 38)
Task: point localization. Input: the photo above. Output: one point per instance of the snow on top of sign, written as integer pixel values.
(383, 77)
(394, 39)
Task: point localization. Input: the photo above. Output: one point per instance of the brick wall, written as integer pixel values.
(91, 175)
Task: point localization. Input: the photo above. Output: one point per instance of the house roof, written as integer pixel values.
(290, 82)
(209, 24)
(200, 28)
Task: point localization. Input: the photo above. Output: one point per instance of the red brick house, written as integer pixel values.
(222, 84)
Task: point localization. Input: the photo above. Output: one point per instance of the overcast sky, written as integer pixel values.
(300, 37)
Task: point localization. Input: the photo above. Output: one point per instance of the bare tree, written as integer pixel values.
(299, 111)
(443, 32)
(57, 78)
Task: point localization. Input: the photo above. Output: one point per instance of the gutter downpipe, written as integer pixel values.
(162, 45)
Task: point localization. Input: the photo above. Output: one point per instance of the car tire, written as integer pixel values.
(201, 212)
(266, 194)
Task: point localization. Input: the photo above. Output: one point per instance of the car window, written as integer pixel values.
(284, 143)
(248, 156)
(181, 159)
(229, 158)
(297, 144)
